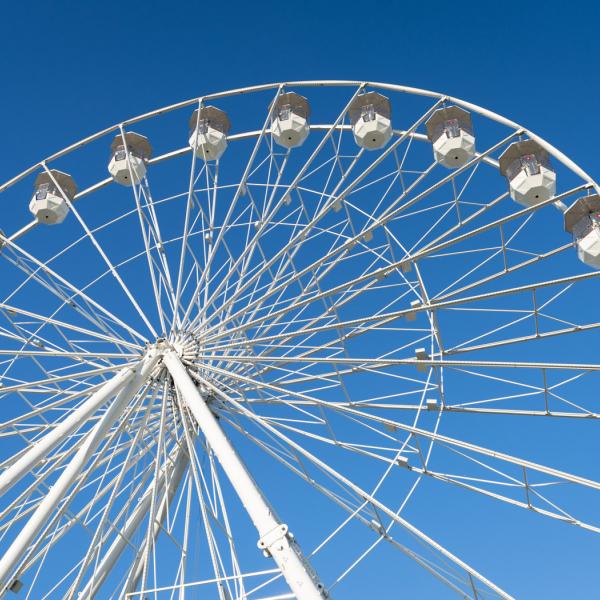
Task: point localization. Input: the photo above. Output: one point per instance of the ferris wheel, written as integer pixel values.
(254, 342)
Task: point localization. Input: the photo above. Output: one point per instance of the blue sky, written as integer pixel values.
(70, 69)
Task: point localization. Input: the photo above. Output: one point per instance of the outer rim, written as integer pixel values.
(557, 154)
(482, 112)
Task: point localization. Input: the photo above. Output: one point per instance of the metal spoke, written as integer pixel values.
(336, 323)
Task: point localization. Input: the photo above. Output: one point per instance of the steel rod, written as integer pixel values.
(41, 449)
(52, 500)
(274, 537)
(170, 473)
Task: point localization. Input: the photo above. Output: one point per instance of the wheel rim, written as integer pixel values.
(344, 313)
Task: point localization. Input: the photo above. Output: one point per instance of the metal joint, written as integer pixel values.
(272, 537)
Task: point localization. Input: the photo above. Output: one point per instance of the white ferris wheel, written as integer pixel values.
(289, 325)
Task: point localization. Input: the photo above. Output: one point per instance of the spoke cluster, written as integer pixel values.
(371, 329)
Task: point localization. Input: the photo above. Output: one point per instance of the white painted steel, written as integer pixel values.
(373, 134)
(265, 328)
(339, 83)
(50, 210)
(92, 440)
(27, 461)
(274, 536)
(209, 145)
(179, 469)
(171, 474)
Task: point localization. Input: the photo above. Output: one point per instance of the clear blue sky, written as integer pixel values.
(71, 68)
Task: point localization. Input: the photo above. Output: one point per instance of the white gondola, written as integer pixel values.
(582, 220)
(209, 127)
(526, 166)
(297, 325)
(450, 131)
(370, 115)
(48, 204)
(128, 160)
(289, 126)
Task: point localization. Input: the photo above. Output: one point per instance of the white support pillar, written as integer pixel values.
(138, 564)
(171, 474)
(274, 537)
(92, 440)
(42, 447)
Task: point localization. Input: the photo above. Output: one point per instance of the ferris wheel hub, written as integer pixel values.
(187, 346)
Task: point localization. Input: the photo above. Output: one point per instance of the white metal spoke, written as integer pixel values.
(367, 300)
(363, 494)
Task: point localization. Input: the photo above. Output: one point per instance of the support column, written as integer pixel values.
(92, 440)
(171, 475)
(161, 514)
(41, 448)
(274, 537)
